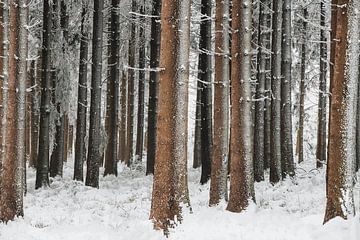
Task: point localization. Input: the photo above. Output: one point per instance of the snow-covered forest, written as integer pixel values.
(184, 119)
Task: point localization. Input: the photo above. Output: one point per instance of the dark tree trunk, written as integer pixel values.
(113, 93)
(204, 78)
(94, 153)
(153, 86)
(275, 160)
(259, 131)
(321, 131)
(80, 145)
(141, 93)
(42, 170)
(122, 129)
(300, 140)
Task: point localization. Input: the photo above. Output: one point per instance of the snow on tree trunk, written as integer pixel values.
(220, 153)
(343, 88)
(241, 170)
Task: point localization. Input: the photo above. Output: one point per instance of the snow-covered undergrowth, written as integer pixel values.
(68, 210)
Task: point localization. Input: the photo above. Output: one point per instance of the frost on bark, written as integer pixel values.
(343, 88)
(205, 86)
(300, 136)
(153, 86)
(220, 153)
(12, 174)
(275, 141)
(241, 170)
(113, 92)
(141, 88)
(80, 145)
(95, 135)
(170, 189)
(131, 89)
(287, 158)
(259, 130)
(42, 169)
(321, 130)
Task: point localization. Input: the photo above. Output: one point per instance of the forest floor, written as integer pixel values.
(291, 210)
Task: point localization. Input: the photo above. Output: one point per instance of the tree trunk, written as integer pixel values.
(259, 130)
(170, 178)
(321, 130)
(94, 152)
(287, 158)
(131, 90)
(300, 141)
(42, 170)
(153, 86)
(220, 152)
(241, 171)
(275, 160)
(80, 146)
(141, 93)
(122, 129)
(343, 87)
(113, 92)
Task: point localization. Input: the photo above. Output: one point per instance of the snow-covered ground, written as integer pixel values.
(120, 210)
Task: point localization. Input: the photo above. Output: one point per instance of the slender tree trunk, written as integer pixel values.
(80, 146)
(321, 131)
(122, 129)
(42, 170)
(287, 158)
(170, 179)
(241, 171)
(275, 160)
(113, 92)
(141, 93)
(220, 151)
(94, 153)
(131, 90)
(268, 94)
(3, 76)
(153, 86)
(300, 142)
(259, 130)
(344, 86)
(205, 80)
(197, 136)
(28, 118)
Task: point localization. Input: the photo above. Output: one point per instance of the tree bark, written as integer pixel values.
(343, 87)
(321, 130)
(153, 86)
(275, 160)
(241, 170)
(170, 189)
(42, 170)
(220, 152)
(141, 88)
(113, 93)
(95, 152)
(80, 145)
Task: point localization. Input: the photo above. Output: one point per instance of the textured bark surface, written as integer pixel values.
(141, 88)
(259, 130)
(287, 158)
(131, 90)
(113, 93)
(241, 171)
(344, 84)
(321, 130)
(153, 86)
(80, 146)
(122, 129)
(205, 80)
(218, 184)
(300, 136)
(170, 178)
(95, 151)
(42, 170)
(275, 141)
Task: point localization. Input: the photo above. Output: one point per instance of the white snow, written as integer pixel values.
(120, 210)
